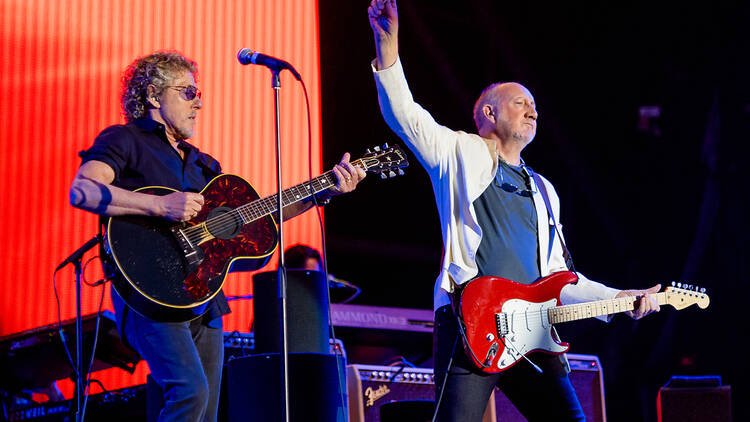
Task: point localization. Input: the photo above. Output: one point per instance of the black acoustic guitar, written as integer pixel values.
(169, 271)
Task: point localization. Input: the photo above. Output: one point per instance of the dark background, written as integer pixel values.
(643, 201)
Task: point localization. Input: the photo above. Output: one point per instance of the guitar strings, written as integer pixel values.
(198, 233)
(246, 213)
(564, 312)
(251, 209)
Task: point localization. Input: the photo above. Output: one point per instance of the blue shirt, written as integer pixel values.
(509, 246)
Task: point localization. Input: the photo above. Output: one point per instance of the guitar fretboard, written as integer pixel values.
(578, 311)
(265, 206)
(268, 205)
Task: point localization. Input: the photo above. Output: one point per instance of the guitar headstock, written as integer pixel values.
(681, 296)
(388, 160)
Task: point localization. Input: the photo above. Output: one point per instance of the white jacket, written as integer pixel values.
(461, 165)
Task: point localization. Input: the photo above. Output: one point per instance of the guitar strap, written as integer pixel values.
(543, 190)
(566, 253)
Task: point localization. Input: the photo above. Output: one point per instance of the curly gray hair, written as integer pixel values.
(156, 69)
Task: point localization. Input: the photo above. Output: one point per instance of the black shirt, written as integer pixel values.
(140, 155)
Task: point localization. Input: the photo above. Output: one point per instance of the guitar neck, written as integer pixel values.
(585, 310)
(269, 205)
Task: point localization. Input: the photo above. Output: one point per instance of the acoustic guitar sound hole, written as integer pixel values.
(223, 223)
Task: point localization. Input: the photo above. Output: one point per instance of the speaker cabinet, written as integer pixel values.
(254, 389)
(587, 379)
(694, 404)
(394, 394)
(307, 319)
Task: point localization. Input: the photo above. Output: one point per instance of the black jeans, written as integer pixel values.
(539, 397)
(185, 360)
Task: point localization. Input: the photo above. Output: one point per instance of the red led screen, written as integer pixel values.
(60, 68)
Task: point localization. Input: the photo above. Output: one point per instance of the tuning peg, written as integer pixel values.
(391, 174)
(385, 145)
(673, 284)
(376, 148)
(703, 290)
(383, 175)
(679, 285)
(367, 151)
(400, 172)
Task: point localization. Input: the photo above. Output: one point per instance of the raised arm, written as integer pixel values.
(383, 16)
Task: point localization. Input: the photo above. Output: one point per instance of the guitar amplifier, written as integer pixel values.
(588, 381)
(694, 399)
(372, 389)
(240, 344)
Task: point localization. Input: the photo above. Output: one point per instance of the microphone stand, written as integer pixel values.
(282, 280)
(79, 340)
(76, 259)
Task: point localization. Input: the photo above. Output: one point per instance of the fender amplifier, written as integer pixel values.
(588, 381)
(408, 394)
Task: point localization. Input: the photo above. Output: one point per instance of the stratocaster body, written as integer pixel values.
(505, 320)
(502, 321)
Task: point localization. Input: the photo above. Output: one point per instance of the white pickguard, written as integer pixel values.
(528, 329)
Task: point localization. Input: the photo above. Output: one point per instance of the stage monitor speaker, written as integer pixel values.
(316, 393)
(394, 394)
(694, 399)
(587, 379)
(308, 324)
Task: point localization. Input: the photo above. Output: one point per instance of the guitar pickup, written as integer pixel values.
(501, 322)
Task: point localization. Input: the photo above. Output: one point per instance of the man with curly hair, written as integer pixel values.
(160, 101)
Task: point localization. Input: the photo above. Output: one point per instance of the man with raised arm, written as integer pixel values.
(495, 223)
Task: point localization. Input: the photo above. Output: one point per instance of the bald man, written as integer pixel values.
(495, 223)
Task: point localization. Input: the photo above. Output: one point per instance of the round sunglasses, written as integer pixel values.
(189, 92)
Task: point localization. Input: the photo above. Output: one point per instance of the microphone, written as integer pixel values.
(248, 56)
(79, 253)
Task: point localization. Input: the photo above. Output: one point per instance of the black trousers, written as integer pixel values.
(538, 396)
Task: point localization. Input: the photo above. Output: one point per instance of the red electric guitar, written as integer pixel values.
(503, 320)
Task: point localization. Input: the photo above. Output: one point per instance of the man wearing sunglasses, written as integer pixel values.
(495, 223)
(160, 101)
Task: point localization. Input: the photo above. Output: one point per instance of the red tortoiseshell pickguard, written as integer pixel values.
(255, 240)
